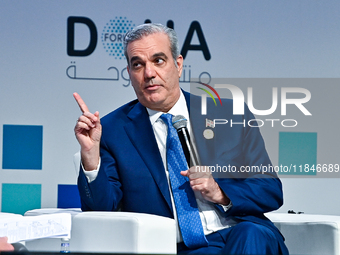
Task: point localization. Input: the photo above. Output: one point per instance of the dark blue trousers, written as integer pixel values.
(244, 238)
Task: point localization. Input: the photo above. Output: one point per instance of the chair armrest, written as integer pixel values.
(308, 233)
(123, 232)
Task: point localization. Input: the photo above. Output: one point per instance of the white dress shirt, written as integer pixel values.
(211, 217)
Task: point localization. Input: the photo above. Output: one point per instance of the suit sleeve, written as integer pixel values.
(255, 192)
(104, 193)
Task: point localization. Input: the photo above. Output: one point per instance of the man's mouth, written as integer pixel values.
(152, 87)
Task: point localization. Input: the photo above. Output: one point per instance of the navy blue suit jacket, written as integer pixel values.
(132, 176)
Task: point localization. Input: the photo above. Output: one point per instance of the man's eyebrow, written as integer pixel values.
(135, 58)
(160, 54)
(156, 55)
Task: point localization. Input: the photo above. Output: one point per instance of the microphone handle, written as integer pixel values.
(19, 247)
(189, 153)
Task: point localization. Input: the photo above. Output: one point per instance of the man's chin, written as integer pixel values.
(157, 104)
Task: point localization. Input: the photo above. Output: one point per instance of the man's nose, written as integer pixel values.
(149, 72)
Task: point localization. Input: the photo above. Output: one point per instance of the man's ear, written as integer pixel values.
(128, 70)
(179, 62)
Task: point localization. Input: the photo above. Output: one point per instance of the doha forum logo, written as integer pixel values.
(113, 35)
(83, 36)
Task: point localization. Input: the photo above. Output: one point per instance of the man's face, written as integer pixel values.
(153, 73)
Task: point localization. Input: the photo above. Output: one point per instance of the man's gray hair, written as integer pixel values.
(150, 28)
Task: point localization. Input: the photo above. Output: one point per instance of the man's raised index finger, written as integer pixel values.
(81, 103)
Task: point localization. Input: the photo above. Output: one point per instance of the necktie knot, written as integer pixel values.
(167, 118)
(173, 142)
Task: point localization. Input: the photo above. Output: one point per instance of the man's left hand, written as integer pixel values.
(4, 245)
(201, 180)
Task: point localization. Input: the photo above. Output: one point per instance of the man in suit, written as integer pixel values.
(125, 161)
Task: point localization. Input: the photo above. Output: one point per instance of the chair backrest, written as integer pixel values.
(9, 215)
(76, 161)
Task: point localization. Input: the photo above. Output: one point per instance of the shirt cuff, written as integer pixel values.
(226, 207)
(91, 175)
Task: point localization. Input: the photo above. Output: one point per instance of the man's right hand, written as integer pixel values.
(88, 131)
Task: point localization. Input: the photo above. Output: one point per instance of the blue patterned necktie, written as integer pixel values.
(187, 212)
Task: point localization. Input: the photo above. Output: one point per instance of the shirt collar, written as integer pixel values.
(180, 108)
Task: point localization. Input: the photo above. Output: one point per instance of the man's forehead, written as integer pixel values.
(151, 38)
(160, 43)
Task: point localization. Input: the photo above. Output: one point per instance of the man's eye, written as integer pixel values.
(136, 65)
(159, 61)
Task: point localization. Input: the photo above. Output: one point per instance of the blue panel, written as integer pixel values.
(19, 198)
(298, 152)
(22, 147)
(68, 196)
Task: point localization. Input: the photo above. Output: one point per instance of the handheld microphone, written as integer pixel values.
(180, 124)
(19, 247)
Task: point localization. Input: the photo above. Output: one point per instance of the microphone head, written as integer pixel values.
(179, 122)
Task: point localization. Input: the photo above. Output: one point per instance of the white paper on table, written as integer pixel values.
(26, 228)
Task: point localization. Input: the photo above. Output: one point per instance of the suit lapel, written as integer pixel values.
(142, 137)
(206, 148)
(187, 99)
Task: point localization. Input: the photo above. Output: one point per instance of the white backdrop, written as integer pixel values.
(246, 39)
